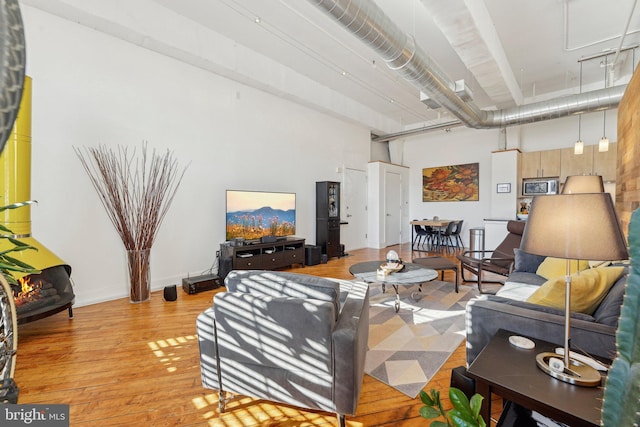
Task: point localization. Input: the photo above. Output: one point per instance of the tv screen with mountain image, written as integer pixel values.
(254, 214)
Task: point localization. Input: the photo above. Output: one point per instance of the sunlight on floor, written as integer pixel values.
(165, 349)
(246, 411)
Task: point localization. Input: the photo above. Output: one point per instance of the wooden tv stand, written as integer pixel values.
(265, 256)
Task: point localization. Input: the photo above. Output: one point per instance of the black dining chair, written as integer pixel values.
(456, 234)
(448, 235)
(419, 234)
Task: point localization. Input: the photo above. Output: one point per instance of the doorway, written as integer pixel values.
(392, 208)
(354, 209)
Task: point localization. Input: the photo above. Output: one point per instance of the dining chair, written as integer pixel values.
(456, 234)
(448, 235)
(419, 234)
(433, 236)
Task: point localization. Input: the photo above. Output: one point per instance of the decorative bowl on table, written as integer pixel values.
(392, 267)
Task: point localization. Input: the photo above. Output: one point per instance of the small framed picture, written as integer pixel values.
(504, 187)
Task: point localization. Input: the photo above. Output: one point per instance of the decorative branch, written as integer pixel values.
(135, 193)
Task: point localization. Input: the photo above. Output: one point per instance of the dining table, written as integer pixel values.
(439, 224)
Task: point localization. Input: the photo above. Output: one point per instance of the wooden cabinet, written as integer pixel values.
(536, 164)
(576, 164)
(563, 163)
(265, 256)
(590, 162)
(328, 217)
(605, 163)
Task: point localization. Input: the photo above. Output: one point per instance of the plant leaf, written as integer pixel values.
(461, 420)
(429, 412)
(17, 263)
(460, 401)
(439, 424)
(21, 243)
(476, 405)
(426, 399)
(17, 205)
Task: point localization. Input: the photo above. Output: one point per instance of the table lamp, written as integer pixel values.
(583, 184)
(579, 226)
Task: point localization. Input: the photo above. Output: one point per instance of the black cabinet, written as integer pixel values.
(328, 217)
(265, 256)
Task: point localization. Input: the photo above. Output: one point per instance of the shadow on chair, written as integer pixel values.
(286, 337)
(498, 261)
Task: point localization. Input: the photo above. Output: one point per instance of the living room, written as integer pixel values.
(92, 88)
(234, 132)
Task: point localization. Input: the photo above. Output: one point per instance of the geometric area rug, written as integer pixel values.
(406, 349)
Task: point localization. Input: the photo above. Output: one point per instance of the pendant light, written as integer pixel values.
(579, 146)
(603, 145)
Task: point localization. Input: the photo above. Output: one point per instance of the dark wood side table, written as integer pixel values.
(512, 373)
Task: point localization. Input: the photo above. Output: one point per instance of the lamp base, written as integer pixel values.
(577, 373)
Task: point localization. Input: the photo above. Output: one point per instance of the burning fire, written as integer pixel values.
(27, 290)
(26, 285)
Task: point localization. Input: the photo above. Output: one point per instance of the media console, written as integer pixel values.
(265, 256)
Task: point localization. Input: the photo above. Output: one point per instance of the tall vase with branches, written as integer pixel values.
(136, 192)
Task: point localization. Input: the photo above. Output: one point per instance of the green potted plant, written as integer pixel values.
(465, 412)
(7, 262)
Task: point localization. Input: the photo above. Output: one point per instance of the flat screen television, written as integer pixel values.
(254, 214)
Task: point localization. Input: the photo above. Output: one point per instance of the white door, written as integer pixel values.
(354, 209)
(393, 208)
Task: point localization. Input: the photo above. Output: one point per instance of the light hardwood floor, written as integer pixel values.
(122, 364)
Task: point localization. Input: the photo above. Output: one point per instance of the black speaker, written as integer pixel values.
(170, 293)
(224, 267)
(312, 254)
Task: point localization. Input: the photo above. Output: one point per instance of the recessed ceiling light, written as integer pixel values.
(257, 20)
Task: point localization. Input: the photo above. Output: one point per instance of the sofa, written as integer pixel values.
(286, 337)
(509, 309)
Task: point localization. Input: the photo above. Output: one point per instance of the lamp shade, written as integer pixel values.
(574, 226)
(578, 147)
(603, 144)
(583, 184)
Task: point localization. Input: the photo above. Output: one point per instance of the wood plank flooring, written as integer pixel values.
(122, 364)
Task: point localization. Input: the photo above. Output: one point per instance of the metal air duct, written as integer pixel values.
(368, 22)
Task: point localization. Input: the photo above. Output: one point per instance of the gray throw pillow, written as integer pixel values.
(526, 262)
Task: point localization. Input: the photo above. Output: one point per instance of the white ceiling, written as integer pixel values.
(509, 52)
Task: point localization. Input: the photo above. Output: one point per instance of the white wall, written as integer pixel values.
(463, 145)
(90, 89)
(459, 146)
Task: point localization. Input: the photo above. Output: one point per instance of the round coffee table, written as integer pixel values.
(411, 274)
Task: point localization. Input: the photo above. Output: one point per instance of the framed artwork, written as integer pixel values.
(504, 187)
(451, 183)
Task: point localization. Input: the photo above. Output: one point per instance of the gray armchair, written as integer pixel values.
(286, 337)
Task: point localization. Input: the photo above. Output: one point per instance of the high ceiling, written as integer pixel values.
(509, 52)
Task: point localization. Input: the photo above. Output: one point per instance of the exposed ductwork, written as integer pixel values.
(368, 22)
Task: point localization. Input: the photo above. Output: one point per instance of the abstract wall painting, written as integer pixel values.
(455, 183)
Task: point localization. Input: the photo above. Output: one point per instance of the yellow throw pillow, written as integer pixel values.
(588, 289)
(554, 267)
